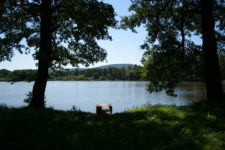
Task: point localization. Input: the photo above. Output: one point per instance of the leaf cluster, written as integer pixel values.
(77, 25)
(172, 54)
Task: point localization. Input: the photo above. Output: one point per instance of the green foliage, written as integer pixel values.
(61, 32)
(72, 78)
(135, 73)
(172, 55)
(77, 25)
(131, 73)
(16, 22)
(125, 73)
(196, 127)
(28, 99)
(166, 68)
(5, 74)
(17, 75)
(23, 75)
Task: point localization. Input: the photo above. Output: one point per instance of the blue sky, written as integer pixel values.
(124, 48)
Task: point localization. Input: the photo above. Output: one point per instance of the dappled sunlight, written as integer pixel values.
(200, 126)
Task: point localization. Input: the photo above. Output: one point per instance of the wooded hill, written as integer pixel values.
(125, 72)
(113, 72)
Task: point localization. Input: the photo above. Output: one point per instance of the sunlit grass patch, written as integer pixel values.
(200, 126)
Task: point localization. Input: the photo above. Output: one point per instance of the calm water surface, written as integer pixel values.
(86, 94)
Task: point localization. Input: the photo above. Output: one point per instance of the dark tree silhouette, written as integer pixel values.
(61, 32)
(6, 52)
(44, 55)
(170, 24)
(212, 70)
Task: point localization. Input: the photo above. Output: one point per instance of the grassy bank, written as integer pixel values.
(200, 127)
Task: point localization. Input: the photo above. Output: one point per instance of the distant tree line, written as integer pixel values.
(131, 73)
(112, 73)
(17, 75)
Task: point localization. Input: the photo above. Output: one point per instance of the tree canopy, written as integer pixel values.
(77, 25)
(171, 50)
(61, 33)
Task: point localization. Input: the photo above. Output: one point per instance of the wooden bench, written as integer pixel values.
(103, 109)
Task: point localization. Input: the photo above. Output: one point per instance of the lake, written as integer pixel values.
(86, 94)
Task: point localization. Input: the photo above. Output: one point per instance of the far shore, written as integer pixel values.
(182, 83)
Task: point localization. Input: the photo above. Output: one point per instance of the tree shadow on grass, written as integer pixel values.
(201, 126)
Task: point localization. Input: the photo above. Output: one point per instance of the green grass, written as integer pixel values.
(197, 127)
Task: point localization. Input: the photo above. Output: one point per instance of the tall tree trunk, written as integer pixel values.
(44, 54)
(2, 7)
(212, 70)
